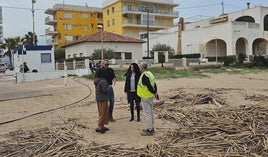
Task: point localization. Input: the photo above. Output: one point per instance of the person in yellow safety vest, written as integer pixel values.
(147, 90)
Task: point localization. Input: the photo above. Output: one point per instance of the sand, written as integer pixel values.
(76, 102)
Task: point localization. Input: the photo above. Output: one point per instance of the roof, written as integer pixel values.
(107, 37)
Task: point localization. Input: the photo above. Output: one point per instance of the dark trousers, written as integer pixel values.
(111, 103)
(132, 101)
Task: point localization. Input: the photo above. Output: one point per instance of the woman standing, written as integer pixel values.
(102, 96)
(131, 82)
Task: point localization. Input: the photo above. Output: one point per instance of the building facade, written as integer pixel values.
(123, 47)
(67, 23)
(129, 18)
(244, 31)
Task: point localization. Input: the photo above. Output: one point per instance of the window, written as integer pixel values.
(69, 56)
(112, 9)
(85, 16)
(74, 55)
(129, 7)
(129, 20)
(113, 21)
(69, 38)
(92, 25)
(45, 57)
(108, 11)
(151, 19)
(108, 23)
(86, 28)
(68, 16)
(68, 27)
(81, 55)
(128, 55)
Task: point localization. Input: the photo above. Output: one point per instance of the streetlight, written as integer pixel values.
(33, 2)
(100, 27)
(216, 41)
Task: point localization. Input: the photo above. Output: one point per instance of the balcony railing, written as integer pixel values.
(155, 11)
(51, 42)
(51, 31)
(50, 21)
(155, 24)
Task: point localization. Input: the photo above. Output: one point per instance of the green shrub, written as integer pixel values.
(259, 61)
(228, 60)
(241, 57)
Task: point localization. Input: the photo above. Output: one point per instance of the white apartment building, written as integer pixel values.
(244, 31)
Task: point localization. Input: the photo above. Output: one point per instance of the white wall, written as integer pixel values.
(165, 36)
(87, 48)
(33, 60)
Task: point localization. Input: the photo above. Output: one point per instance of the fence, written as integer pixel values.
(118, 64)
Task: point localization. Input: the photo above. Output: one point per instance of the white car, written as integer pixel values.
(3, 67)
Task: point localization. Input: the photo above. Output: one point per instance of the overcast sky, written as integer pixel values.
(17, 15)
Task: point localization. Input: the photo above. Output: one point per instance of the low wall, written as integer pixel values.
(29, 77)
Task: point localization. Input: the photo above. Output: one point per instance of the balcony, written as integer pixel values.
(50, 21)
(155, 12)
(143, 24)
(51, 42)
(51, 32)
(51, 11)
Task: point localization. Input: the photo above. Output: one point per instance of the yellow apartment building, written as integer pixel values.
(129, 17)
(67, 23)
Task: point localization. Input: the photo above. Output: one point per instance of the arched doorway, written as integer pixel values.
(260, 47)
(215, 48)
(241, 46)
(265, 22)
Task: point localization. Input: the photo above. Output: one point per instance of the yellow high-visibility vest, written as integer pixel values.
(142, 90)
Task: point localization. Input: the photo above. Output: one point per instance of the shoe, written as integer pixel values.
(112, 120)
(105, 129)
(100, 130)
(131, 119)
(138, 120)
(147, 133)
(144, 130)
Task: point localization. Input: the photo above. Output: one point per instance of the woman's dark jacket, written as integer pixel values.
(127, 85)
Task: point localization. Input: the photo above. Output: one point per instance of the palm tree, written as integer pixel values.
(10, 44)
(28, 38)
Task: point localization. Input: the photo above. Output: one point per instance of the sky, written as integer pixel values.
(17, 14)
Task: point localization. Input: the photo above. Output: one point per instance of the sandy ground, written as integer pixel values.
(35, 97)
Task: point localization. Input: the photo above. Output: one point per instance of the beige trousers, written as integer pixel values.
(103, 113)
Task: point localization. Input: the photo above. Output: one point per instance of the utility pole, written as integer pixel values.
(100, 27)
(33, 2)
(148, 51)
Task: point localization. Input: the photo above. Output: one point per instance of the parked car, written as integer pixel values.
(3, 67)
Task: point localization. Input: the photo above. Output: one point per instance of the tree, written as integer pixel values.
(162, 47)
(10, 44)
(107, 54)
(28, 39)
